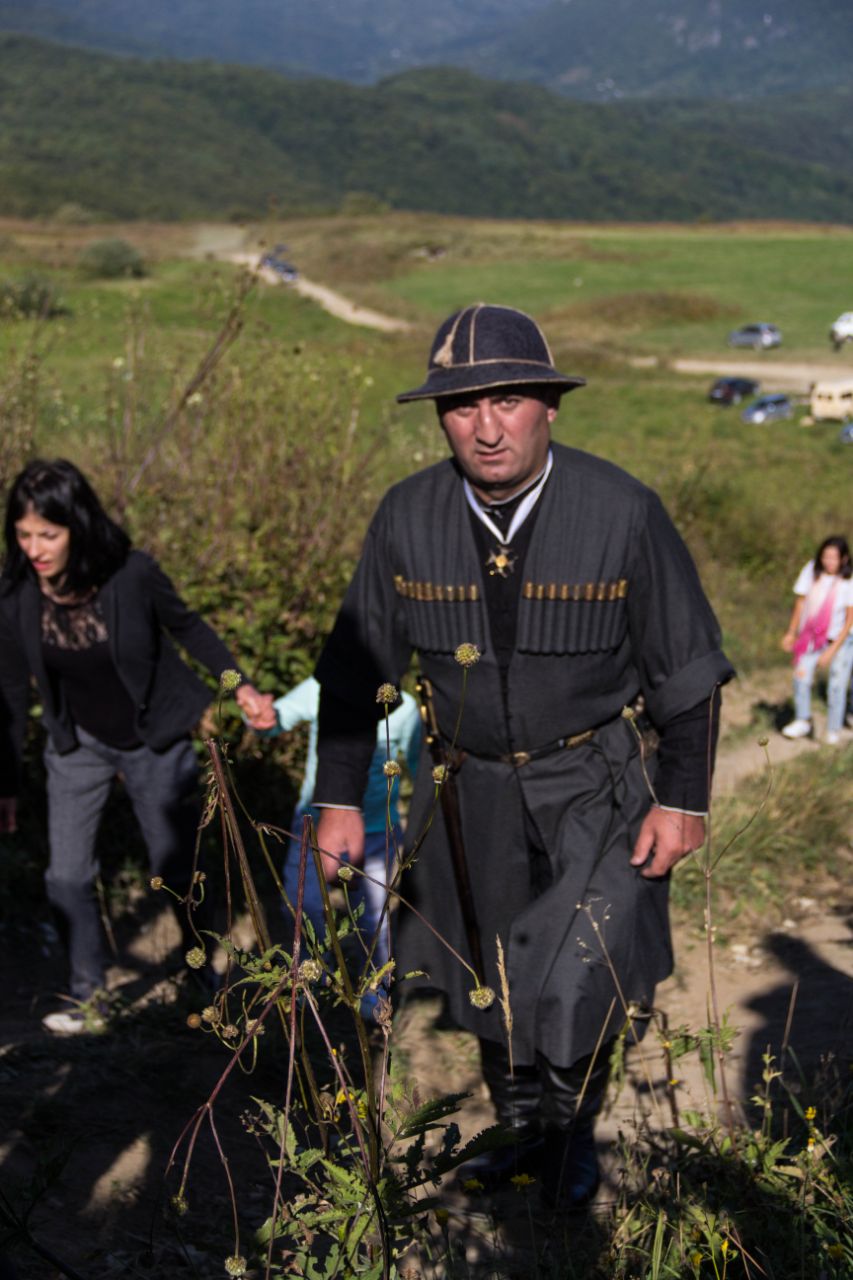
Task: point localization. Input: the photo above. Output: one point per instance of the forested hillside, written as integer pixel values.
(133, 138)
(592, 49)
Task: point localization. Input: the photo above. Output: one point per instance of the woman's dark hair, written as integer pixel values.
(840, 544)
(58, 492)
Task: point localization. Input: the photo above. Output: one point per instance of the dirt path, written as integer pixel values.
(335, 303)
(782, 374)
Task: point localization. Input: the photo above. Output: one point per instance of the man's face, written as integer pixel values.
(499, 437)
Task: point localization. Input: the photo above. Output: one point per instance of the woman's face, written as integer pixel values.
(830, 560)
(47, 546)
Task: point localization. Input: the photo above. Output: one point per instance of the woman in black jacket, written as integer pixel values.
(90, 620)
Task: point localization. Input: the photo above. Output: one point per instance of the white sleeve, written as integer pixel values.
(805, 581)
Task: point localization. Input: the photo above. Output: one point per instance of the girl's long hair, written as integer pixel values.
(57, 491)
(840, 544)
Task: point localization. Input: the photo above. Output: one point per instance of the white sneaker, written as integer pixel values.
(798, 729)
(832, 738)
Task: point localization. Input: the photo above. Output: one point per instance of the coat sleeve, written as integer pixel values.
(675, 636)
(368, 645)
(14, 698)
(185, 625)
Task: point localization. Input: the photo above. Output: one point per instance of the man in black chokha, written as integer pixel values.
(582, 601)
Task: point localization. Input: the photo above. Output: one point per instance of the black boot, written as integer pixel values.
(517, 1096)
(571, 1101)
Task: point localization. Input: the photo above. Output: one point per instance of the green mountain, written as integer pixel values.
(590, 49)
(134, 138)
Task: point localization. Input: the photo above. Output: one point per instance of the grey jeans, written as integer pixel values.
(163, 789)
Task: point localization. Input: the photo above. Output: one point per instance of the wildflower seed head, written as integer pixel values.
(482, 997)
(230, 1032)
(467, 655)
(179, 1204)
(196, 957)
(235, 1265)
(229, 680)
(310, 970)
(391, 769)
(762, 742)
(439, 773)
(199, 877)
(387, 694)
(156, 883)
(628, 713)
(194, 1021)
(345, 871)
(210, 1014)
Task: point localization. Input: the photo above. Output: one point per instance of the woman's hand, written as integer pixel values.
(788, 641)
(257, 707)
(8, 815)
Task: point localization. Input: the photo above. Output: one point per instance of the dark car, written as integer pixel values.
(732, 390)
(758, 336)
(768, 409)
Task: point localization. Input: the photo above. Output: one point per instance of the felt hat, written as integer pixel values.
(485, 346)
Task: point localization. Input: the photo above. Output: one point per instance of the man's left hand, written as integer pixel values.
(666, 838)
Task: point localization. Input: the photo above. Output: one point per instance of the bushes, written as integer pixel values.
(112, 259)
(31, 297)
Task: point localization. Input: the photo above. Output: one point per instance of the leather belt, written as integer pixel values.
(520, 758)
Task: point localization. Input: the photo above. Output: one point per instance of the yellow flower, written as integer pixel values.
(696, 1259)
(472, 1184)
(810, 1113)
(521, 1180)
(196, 957)
(442, 1217)
(724, 1247)
(467, 655)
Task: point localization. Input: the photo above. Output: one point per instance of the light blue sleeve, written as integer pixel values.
(299, 706)
(411, 733)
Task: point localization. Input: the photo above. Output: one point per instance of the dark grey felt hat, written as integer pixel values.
(486, 346)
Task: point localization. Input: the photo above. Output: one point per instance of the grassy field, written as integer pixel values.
(752, 501)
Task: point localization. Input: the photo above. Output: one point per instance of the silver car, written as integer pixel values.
(768, 409)
(760, 337)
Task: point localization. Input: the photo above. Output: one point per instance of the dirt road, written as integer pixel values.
(330, 300)
(782, 375)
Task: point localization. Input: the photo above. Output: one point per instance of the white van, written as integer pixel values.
(832, 401)
(842, 330)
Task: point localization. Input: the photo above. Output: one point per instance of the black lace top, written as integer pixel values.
(75, 646)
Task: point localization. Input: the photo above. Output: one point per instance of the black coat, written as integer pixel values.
(610, 607)
(142, 611)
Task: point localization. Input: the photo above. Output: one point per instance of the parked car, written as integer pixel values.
(758, 336)
(732, 390)
(768, 409)
(842, 330)
(832, 400)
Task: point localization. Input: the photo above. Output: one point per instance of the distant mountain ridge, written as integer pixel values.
(132, 138)
(589, 49)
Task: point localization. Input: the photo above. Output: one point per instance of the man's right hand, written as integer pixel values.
(339, 832)
(8, 814)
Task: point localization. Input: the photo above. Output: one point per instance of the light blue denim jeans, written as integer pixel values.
(369, 889)
(836, 688)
